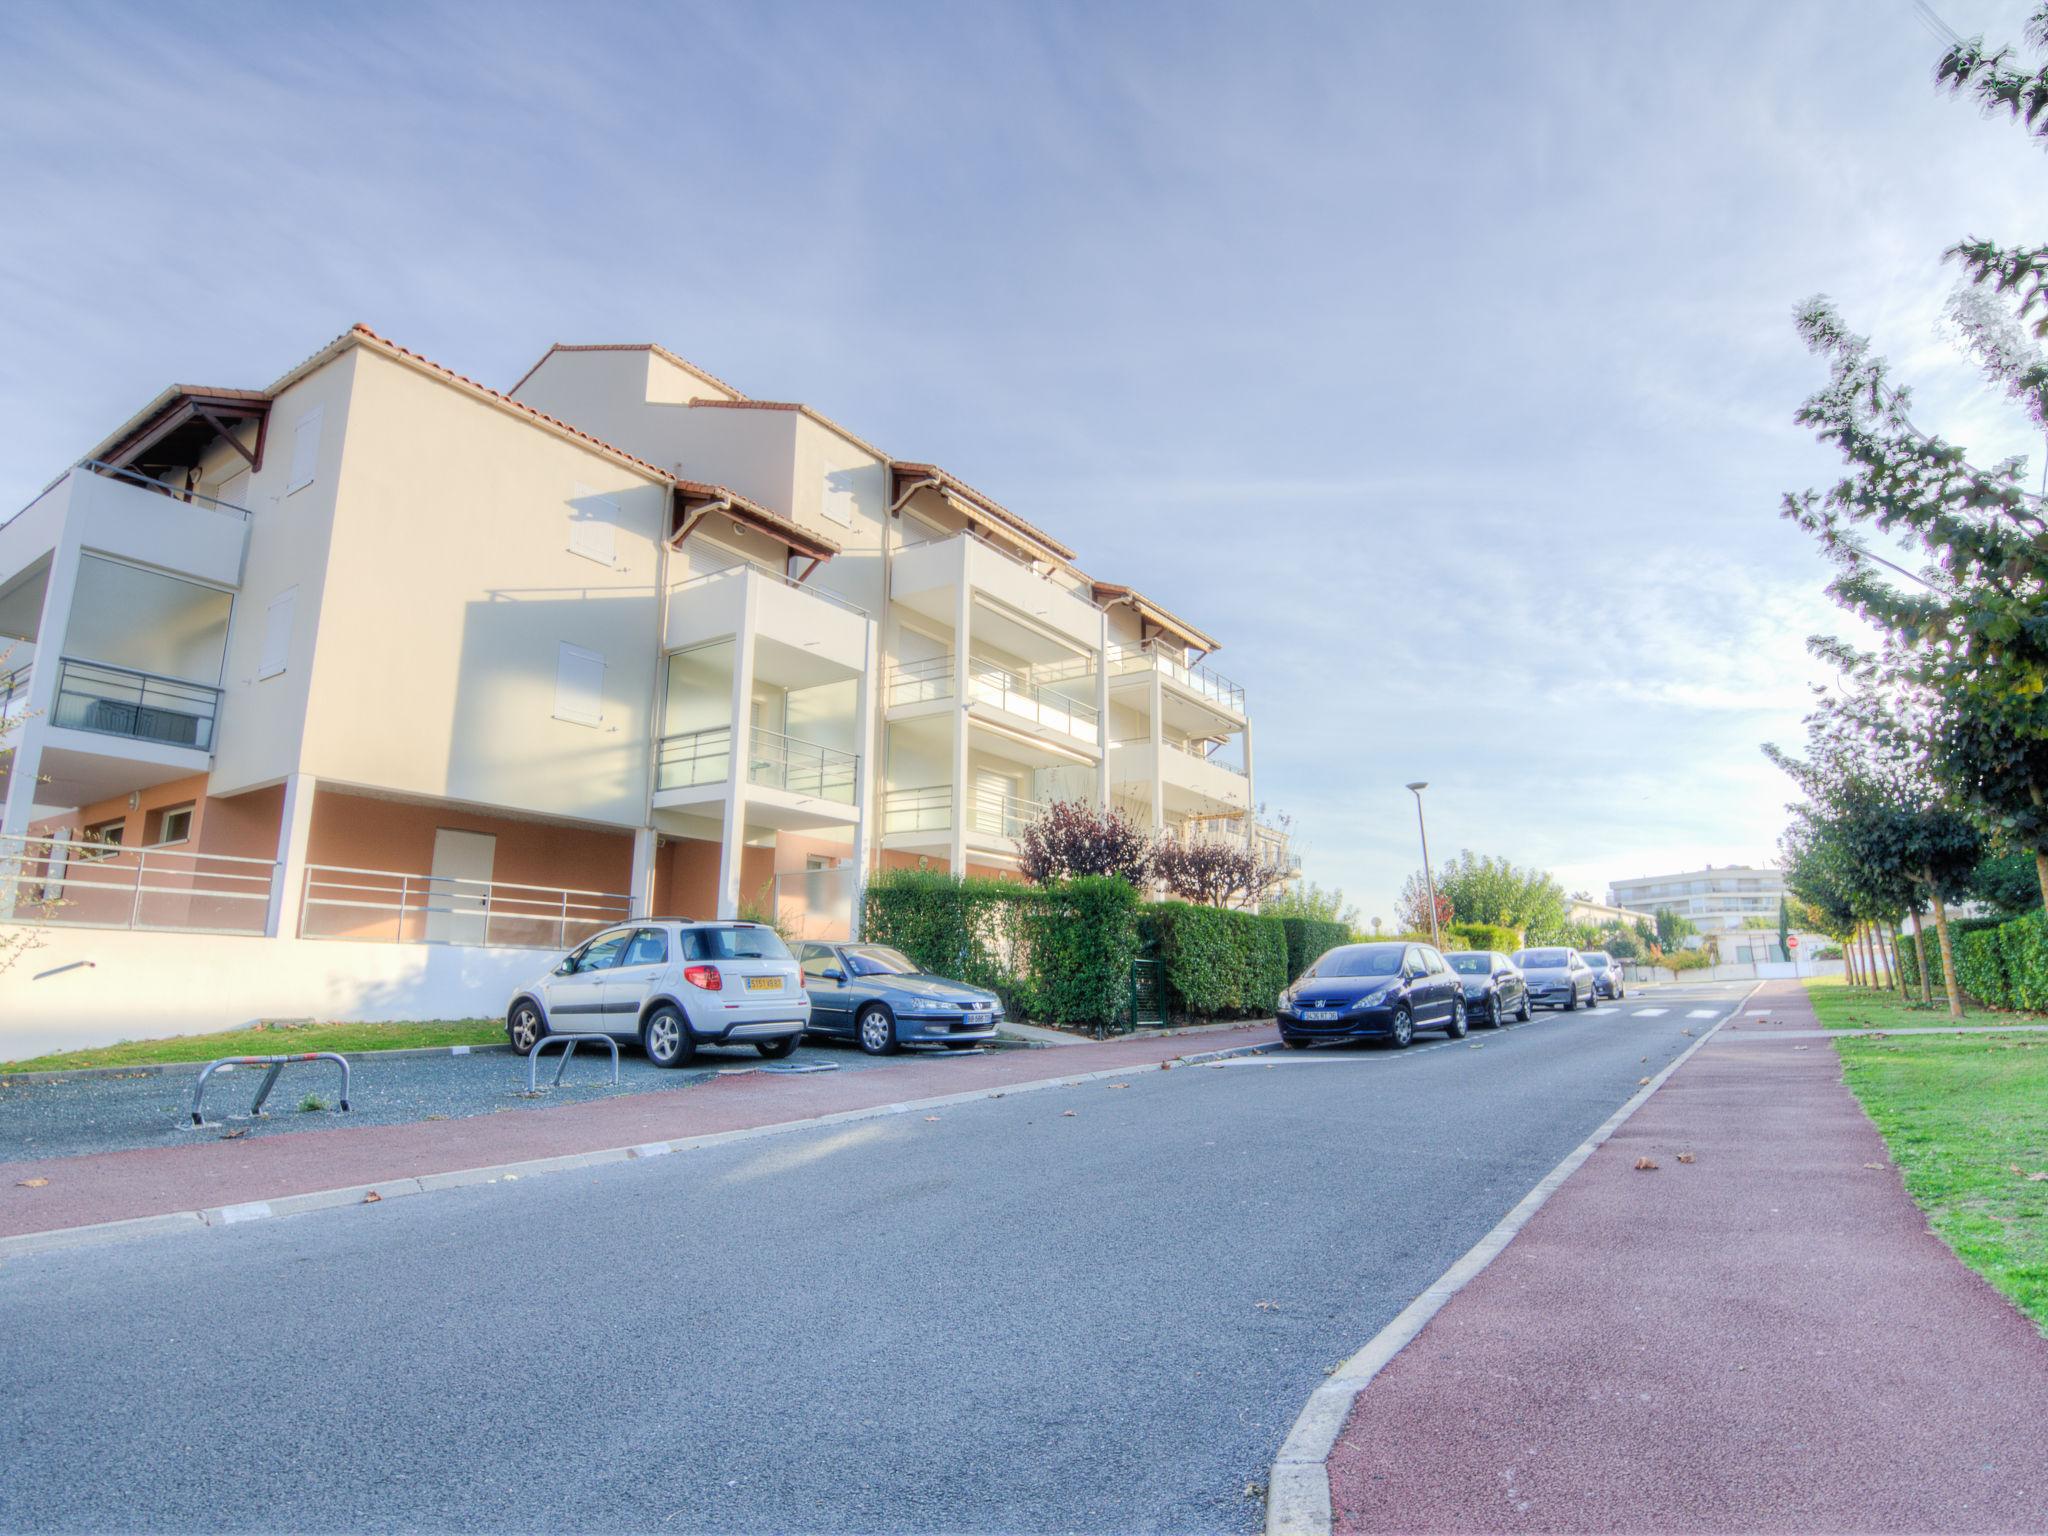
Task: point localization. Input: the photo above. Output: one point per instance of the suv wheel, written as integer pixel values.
(666, 1038)
(876, 1030)
(524, 1027)
(776, 1050)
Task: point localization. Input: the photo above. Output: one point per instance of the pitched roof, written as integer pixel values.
(802, 410)
(631, 346)
(905, 468)
(773, 523)
(165, 400)
(1110, 591)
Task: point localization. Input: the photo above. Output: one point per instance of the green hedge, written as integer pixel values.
(976, 931)
(1216, 963)
(1909, 964)
(1483, 936)
(1084, 936)
(1308, 939)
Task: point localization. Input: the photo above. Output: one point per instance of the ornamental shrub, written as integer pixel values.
(1084, 936)
(1980, 966)
(976, 931)
(1686, 960)
(2024, 946)
(1309, 938)
(1909, 964)
(1218, 964)
(1482, 936)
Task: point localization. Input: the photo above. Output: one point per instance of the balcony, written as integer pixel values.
(796, 620)
(1191, 781)
(141, 706)
(787, 765)
(1207, 687)
(924, 815)
(922, 577)
(68, 883)
(1024, 693)
(118, 512)
(928, 808)
(14, 693)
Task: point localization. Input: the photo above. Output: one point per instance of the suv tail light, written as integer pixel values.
(705, 976)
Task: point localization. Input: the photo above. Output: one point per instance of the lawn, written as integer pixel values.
(269, 1040)
(1962, 1118)
(1839, 1006)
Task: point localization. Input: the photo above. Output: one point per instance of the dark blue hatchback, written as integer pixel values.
(878, 998)
(1372, 992)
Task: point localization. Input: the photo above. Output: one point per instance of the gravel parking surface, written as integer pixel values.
(62, 1116)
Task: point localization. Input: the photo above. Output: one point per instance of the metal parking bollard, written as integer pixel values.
(570, 1043)
(276, 1064)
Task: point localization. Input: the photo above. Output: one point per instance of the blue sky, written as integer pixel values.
(1436, 358)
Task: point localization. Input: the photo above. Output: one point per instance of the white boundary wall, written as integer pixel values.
(82, 987)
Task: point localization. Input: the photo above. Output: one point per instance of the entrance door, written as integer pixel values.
(460, 903)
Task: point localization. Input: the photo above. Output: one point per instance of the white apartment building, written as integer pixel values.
(379, 655)
(1716, 900)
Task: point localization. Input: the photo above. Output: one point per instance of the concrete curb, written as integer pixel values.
(27, 1243)
(1298, 1487)
(163, 1068)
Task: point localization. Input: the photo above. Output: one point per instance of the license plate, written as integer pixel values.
(764, 983)
(1320, 1015)
(978, 1019)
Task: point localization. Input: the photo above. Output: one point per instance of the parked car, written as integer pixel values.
(877, 997)
(1371, 992)
(1558, 978)
(1494, 987)
(1607, 979)
(673, 985)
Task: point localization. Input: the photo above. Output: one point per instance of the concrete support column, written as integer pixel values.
(288, 876)
(16, 861)
(963, 616)
(867, 773)
(1102, 714)
(1251, 799)
(1157, 710)
(733, 837)
(640, 890)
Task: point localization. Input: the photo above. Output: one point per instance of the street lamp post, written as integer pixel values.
(1428, 879)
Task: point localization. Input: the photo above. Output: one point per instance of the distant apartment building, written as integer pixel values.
(1716, 900)
(1596, 914)
(379, 654)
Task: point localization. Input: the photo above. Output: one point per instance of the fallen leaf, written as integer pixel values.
(1878, 1166)
(1646, 1165)
(31, 1183)
(1066, 1114)
(1267, 1306)
(1119, 1085)
(231, 1135)
(931, 1117)
(2037, 1178)
(1687, 1033)
(1685, 1157)
(372, 1198)
(1642, 1082)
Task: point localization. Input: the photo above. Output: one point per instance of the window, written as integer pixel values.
(818, 961)
(277, 634)
(305, 451)
(174, 825)
(593, 526)
(733, 944)
(649, 947)
(602, 952)
(108, 835)
(579, 685)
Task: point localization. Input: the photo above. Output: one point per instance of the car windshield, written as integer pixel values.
(748, 943)
(878, 960)
(1361, 960)
(1471, 964)
(1544, 959)
(1595, 957)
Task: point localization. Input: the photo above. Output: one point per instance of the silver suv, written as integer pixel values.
(672, 985)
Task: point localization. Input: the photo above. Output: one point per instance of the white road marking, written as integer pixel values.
(1702, 1013)
(1759, 1013)
(1648, 1013)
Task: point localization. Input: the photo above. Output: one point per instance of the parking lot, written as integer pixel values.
(62, 1115)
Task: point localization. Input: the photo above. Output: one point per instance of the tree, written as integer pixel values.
(1413, 907)
(1967, 632)
(1619, 940)
(1219, 872)
(1312, 901)
(1673, 930)
(1069, 839)
(1492, 890)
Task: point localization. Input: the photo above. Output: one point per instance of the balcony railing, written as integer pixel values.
(775, 761)
(71, 883)
(403, 908)
(119, 701)
(998, 813)
(1197, 749)
(764, 573)
(1027, 692)
(14, 692)
(802, 767)
(925, 809)
(175, 492)
(1149, 657)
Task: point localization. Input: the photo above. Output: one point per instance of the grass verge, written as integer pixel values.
(1961, 1117)
(269, 1040)
(1844, 1007)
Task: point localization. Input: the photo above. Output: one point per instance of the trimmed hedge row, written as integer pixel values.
(1216, 963)
(1484, 936)
(2005, 965)
(1958, 929)
(1308, 938)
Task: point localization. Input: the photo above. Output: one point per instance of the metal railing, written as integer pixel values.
(72, 883)
(802, 767)
(14, 692)
(1199, 680)
(404, 908)
(1197, 748)
(928, 808)
(175, 492)
(998, 813)
(766, 574)
(694, 757)
(120, 701)
(920, 682)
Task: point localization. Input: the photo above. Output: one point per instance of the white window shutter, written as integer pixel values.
(277, 634)
(305, 451)
(836, 496)
(579, 685)
(593, 526)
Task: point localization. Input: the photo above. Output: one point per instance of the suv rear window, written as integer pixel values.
(734, 944)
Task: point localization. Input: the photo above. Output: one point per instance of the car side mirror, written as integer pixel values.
(567, 967)
(834, 974)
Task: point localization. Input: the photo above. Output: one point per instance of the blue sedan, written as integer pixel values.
(878, 998)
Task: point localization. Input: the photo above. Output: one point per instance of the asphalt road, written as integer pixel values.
(1010, 1317)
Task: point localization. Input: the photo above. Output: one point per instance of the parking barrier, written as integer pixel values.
(570, 1042)
(276, 1064)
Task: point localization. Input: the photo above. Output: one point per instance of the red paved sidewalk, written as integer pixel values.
(115, 1186)
(1768, 1338)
